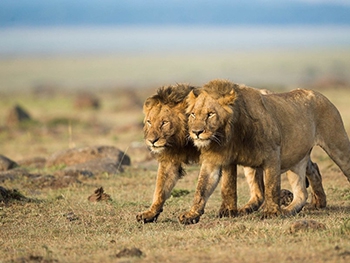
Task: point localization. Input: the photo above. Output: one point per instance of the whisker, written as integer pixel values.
(216, 139)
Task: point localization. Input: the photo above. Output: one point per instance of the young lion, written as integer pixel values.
(234, 124)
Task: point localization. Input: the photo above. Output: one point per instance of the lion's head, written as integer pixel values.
(210, 113)
(165, 122)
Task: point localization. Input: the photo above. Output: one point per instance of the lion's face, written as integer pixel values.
(164, 127)
(209, 118)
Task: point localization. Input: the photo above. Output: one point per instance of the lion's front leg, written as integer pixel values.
(271, 207)
(255, 181)
(167, 176)
(209, 177)
(229, 191)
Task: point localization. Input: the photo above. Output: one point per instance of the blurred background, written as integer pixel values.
(140, 44)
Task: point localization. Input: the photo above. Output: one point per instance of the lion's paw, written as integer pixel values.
(318, 201)
(147, 217)
(271, 212)
(249, 208)
(246, 210)
(226, 212)
(189, 218)
(314, 206)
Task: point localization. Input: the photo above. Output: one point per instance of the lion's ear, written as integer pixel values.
(190, 100)
(229, 98)
(191, 96)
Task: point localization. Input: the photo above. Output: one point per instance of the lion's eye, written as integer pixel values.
(148, 122)
(164, 123)
(193, 115)
(211, 114)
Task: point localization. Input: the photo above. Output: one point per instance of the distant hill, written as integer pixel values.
(172, 12)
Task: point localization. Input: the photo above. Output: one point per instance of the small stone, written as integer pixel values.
(305, 225)
(127, 252)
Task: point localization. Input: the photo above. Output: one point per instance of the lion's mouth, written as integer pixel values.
(201, 143)
(156, 149)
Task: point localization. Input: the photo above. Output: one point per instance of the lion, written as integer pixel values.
(275, 133)
(166, 135)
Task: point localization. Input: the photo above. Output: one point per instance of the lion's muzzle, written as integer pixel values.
(197, 133)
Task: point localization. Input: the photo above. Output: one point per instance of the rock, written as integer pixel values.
(81, 174)
(84, 154)
(7, 195)
(16, 115)
(86, 101)
(34, 162)
(6, 164)
(127, 252)
(93, 167)
(71, 216)
(139, 152)
(99, 195)
(14, 174)
(39, 180)
(53, 182)
(305, 225)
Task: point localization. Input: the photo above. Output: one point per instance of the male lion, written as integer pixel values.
(165, 132)
(166, 135)
(234, 124)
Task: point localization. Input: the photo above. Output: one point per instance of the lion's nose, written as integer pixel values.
(197, 132)
(153, 141)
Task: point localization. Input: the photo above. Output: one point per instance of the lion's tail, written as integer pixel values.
(332, 136)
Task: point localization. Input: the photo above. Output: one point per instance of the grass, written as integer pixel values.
(61, 225)
(252, 67)
(100, 230)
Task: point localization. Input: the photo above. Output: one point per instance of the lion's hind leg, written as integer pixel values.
(318, 196)
(296, 178)
(255, 181)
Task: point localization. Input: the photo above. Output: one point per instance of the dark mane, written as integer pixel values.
(173, 94)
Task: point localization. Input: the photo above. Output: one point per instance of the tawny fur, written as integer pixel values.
(234, 124)
(165, 133)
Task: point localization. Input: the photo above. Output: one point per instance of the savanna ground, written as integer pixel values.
(61, 225)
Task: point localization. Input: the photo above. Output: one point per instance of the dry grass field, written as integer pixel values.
(43, 223)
